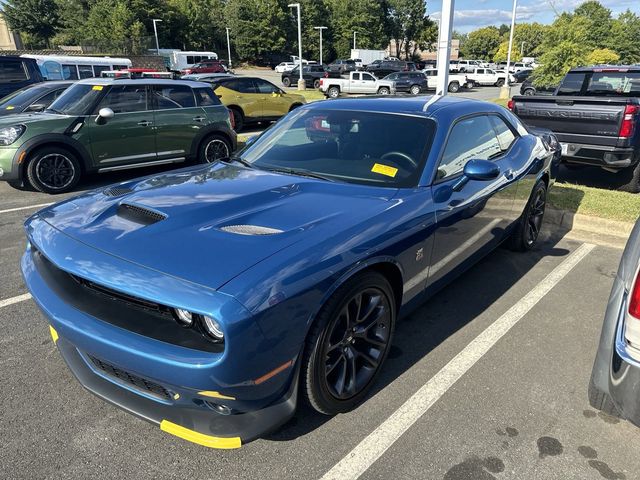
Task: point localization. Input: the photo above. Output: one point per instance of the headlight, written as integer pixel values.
(212, 327)
(8, 135)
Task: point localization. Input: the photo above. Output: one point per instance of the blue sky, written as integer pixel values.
(472, 14)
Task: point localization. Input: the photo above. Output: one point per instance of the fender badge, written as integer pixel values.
(419, 254)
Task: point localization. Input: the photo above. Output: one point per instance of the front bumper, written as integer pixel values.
(216, 399)
(597, 155)
(9, 170)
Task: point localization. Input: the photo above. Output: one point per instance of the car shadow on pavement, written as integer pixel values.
(433, 322)
(590, 177)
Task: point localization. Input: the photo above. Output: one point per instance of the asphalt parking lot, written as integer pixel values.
(487, 380)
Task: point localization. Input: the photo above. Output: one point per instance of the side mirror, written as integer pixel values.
(36, 107)
(481, 170)
(103, 115)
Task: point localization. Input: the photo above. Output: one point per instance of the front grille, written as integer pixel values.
(141, 384)
(140, 215)
(117, 191)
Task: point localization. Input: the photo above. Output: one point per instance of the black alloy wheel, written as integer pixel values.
(536, 215)
(53, 170)
(348, 344)
(214, 148)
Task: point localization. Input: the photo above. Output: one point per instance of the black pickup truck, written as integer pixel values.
(594, 114)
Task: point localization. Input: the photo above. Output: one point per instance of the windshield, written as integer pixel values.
(21, 97)
(77, 99)
(603, 84)
(367, 148)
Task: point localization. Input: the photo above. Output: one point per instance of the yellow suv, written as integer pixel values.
(253, 99)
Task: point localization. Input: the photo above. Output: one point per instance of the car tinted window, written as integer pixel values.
(47, 99)
(607, 84)
(572, 84)
(470, 139)
(205, 97)
(12, 71)
(241, 85)
(86, 71)
(173, 96)
(505, 135)
(367, 77)
(265, 87)
(370, 148)
(125, 99)
(77, 99)
(69, 72)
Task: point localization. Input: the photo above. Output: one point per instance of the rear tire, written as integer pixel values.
(500, 82)
(415, 89)
(238, 118)
(631, 178)
(213, 148)
(529, 92)
(347, 338)
(454, 87)
(53, 170)
(334, 92)
(527, 231)
(316, 84)
(601, 400)
(286, 81)
(18, 184)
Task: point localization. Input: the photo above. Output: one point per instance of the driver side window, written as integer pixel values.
(470, 139)
(265, 87)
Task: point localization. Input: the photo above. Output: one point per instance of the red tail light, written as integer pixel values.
(628, 125)
(510, 104)
(232, 119)
(634, 300)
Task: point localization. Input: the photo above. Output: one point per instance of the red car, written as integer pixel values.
(206, 66)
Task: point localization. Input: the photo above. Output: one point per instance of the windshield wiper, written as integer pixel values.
(300, 173)
(239, 160)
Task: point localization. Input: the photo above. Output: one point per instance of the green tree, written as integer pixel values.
(109, 26)
(72, 17)
(527, 37)
(501, 53)
(259, 27)
(602, 56)
(199, 23)
(408, 22)
(37, 18)
(625, 37)
(598, 23)
(314, 14)
(558, 60)
(482, 43)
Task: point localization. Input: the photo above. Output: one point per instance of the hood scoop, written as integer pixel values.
(117, 191)
(250, 230)
(138, 214)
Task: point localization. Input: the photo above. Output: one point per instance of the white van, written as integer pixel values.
(63, 67)
(177, 60)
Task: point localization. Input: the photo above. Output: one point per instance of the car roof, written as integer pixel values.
(146, 81)
(611, 68)
(411, 105)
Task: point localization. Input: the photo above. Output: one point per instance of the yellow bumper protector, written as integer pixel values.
(208, 393)
(199, 438)
(54, 334)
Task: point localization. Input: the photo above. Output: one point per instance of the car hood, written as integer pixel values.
(27, 118)
(209, 224)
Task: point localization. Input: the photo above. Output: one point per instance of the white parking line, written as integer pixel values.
(356, 462)
(25, 208)
(12, 300)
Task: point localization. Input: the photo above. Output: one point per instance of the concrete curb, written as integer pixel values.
(586, 223)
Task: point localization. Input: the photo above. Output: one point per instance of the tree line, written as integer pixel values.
(589, 35)
(257, 27)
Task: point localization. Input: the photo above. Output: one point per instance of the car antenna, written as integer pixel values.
(432, 100)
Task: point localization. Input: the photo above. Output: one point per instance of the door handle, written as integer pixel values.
(199, 119)
(145, 123)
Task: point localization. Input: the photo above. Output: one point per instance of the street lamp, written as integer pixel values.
(444, 47)
(505, 92)
(155, 32)
(522, 49)
(229, 48)
(354, 39)
(320, 30)
(301, 83)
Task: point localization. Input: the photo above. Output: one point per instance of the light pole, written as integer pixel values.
(505, 91)
(320, 30)
(444, 47)
(301, 83)
(438, 40)
(228, 47)
(155, 32)
(354, 39)
(522, 49)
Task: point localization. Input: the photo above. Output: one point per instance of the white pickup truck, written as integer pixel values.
(488, 76)
(358, 82)
(456, 80)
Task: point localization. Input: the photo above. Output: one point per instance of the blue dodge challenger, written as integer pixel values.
(211, 300)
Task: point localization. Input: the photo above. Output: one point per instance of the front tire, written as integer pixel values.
(348, 344)
(500, 82)
(238, 118)
(316, 84)
(53, 170)
(415, 89)
(527, 231)
(214, 148)
(454, 87)
(384, 91)
(529, 92)
(286, 81)
(631, 179)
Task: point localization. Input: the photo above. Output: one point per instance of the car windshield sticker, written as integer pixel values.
(10, 107)
(384, 170)
(98, 87)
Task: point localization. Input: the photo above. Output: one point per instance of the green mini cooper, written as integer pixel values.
(101, 125)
